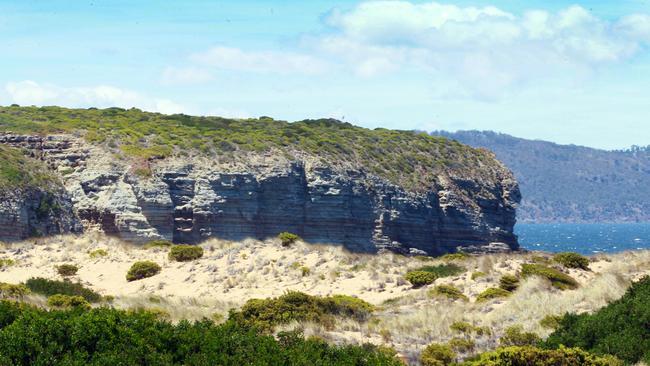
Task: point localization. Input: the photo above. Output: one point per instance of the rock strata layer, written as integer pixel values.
(190, 202)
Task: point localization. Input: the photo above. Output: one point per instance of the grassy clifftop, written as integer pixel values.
(407, 158)
(20, 172)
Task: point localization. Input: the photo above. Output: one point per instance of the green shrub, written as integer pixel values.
(551, 321)
(462, 345)
(66, 270)
(420, 278)
(437, 355)
(509, 282)
(558, 279)
(48, 288)
(478, 274)
(572, 260)
(7, 262)
(448, 291)
(9, 290)
(143, 269)
(532, 356)
(621, 328)
(98, 253)
(185, 253)
(265, 314)
(158, 244)
(66, 301)
(287, 238)
(459, 256)
(106, 336)
(492, 293)
(443, 270)
(461, 327)
(515, 336)
(305, 271)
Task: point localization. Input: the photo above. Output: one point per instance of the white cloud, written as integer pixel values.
(229, 58)
(488, 50)
(187, 75)
(29, 92)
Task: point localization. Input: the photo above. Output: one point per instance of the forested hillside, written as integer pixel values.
(568, 183)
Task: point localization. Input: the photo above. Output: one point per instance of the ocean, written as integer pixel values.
(584, 238)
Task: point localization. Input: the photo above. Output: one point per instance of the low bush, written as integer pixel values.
(12, 291)
(287, 238)
(265, 314)
(492, 293)
(572, 260)
(7, 262)
(48, 288)
(449, 292)
(438, 355)
(621, 328)
(509, 282)
(105, 336)
(478, 274)
(158, 244)
(66, 301)
(443, 270)
(459, 256)
(551, 321)
(185, 253)
(97, 253)
(532, 356)
(420, 278)
(558, 279)
(143, 269)
(515, 336)
(461, 345)
(67, 270)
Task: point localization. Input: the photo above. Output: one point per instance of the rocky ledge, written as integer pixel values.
(188, 202)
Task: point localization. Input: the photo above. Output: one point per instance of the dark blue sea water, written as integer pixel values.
(584, 238)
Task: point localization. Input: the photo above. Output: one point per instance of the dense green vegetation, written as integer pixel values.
(491, 294)
(449, 292)
(509, 282)
(67, 270)
(185, 253)
(558, 279)
(572, 260)
(532, 356)
(18, 171)
(103, 336)
(265, 314)
(142, 269)
(428, 274)
(287, 238)
(404, 157)
(622, 328)
(48, 288)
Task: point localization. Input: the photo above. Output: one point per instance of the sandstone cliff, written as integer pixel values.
(324, 180)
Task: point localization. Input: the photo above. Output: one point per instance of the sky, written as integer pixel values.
(563, 71)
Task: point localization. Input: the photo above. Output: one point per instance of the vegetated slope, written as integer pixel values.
(568, 183)
(18, 172)
(144, 176)
(104, 336)
(406, 158)
(621, 328)
(33, 200)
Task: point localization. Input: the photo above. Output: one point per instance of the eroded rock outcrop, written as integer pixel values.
(190, 202)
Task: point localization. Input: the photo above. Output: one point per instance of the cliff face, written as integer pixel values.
(380, 190)
(188, 204)
(33, 202)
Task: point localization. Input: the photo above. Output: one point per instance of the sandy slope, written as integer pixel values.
(231, 273)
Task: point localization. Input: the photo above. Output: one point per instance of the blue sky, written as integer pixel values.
(570, 72)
